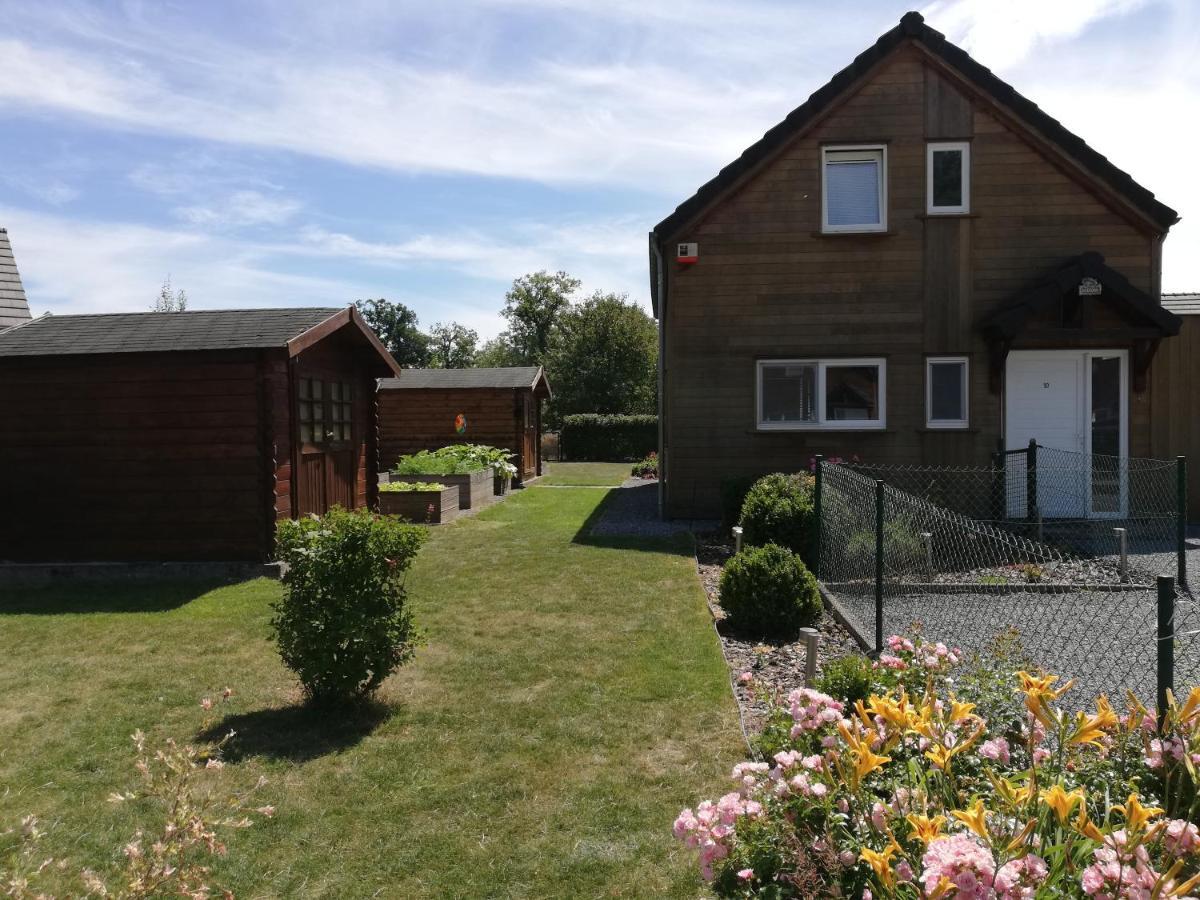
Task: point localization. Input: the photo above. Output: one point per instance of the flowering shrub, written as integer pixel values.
(914, 793)
(342, 625)
(647, 468)
(171, 862)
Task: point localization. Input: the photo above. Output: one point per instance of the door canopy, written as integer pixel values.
(1084, 303)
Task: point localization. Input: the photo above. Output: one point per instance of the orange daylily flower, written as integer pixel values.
(1061, 801)
(1039, 691)
(880, 862)
(925, 828)
(1136, 815)
(1089, 729)
(974, 817)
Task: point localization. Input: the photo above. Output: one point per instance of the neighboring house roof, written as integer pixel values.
(912, 27)
(14, 307)
(293, 330)
(1182, 304)
(500, 377)
(1009, 320)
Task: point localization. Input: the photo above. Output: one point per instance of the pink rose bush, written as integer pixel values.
(958, 781)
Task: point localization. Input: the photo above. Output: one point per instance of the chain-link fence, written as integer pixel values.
(964, 554)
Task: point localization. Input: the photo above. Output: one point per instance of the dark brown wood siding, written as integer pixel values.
(1175, 405)
(132, 457)
(415, 419)
(768, 284)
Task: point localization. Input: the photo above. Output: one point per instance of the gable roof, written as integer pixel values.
(293, 330)
(1009, 320)
(1182, 304)
(912, 27)
(14, 307)
(501, 377)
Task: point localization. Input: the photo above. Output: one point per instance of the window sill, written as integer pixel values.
(957, 429)
(966, 215)
(821, 430)
(853, 234)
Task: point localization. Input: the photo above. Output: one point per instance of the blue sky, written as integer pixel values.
(289, 153)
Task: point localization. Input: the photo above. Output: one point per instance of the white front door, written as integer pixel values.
(1073, 401)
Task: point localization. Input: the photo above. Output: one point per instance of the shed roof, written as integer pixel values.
(14, 307)
(1182, 304)
(150, 332)
(500, 377)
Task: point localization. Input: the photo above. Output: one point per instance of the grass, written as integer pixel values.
(569, 699)
(586, 474)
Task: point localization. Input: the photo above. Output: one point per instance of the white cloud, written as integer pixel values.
(241, 208)
(1000, 34)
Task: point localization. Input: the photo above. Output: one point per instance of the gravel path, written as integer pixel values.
(633, 512)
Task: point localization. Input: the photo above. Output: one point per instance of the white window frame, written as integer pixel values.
(965, 206)
(822, 424)
(950, 424)
(865, 149)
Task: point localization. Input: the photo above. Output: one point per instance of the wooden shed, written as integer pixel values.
(424, 409)
(182, 436)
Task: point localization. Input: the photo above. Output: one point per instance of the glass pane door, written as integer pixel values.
(1107, 475)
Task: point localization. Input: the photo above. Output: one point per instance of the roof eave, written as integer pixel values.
(343, 317)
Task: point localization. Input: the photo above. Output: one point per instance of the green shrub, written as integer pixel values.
(403, 487)
(647, 468)
(733, 495)
(903, 548)
(593, 436)
(847, 679)
(342, 625)
(426, 462)
(769, 591)
(779, 510)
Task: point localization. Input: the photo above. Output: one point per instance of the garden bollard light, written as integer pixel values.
(927, 537)
(812, 640)
(1123, 544)
(737, 538)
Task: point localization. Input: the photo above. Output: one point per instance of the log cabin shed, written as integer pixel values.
(424, 409)
(182, 436)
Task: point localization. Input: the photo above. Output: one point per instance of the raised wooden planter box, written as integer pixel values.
(475, 489)
(422, 507)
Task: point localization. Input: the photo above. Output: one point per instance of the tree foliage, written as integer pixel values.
(532, 308)
(169, 299)
(396, 326)
(452, 346)
(498, 353)
(604, 359)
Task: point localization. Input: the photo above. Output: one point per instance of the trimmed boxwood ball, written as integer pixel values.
(778, 509)
(769, 591)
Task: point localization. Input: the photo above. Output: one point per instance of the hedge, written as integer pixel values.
(596, 436)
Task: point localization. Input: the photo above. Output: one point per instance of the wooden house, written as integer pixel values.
(1175, 396)
(184, 435)
(916, 266)
(424, 409)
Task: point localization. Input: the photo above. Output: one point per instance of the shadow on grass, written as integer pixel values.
(104, 597)
(639, 505)
(297, 733)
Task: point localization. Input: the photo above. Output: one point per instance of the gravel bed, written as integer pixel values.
(779, 666)
(1104, 640)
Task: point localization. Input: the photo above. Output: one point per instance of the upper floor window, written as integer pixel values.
(948, 178)
(854, 188)
(820, 393)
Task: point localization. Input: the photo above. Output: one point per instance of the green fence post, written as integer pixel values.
(879, 565)
(1181, 519)
(999, 492)
(819, 476)
(1031, 481)
(1166, 642)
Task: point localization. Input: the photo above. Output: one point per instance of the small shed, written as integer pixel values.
(424, 409)
(182, 436)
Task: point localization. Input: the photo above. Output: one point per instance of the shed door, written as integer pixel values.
(526, 421)
(326, 427)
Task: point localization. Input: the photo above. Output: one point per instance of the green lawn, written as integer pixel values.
(569, 699)
(585, 474)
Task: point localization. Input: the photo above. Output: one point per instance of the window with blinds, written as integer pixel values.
(854, 188)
